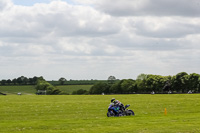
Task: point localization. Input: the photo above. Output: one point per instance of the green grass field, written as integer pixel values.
(87, 114)
(70, 88)
(13, 90)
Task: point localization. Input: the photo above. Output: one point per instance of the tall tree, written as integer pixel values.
(180, 82)
(194, 82)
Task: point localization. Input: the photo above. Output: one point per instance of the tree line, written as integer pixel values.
(22, 80)
(147, 83)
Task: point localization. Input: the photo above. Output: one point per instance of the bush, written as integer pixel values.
(79, 92)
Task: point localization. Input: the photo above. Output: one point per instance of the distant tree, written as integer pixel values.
(62, 80)
(111, 79)
(157, 83)
(141, 82)
(8, 81)
(198, 90)
(44, 85)
(3, 82)
(167, 86)
(25, 80)
(14, 81)
(127, 86)
(180, 82)
(35, 80)
(30, 80)
(142, 77)
(99, 88)
(194, 82)
(20, 80)
(116, 88)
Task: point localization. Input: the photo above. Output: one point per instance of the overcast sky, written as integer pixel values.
(93, 39)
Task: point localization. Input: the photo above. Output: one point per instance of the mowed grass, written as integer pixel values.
(87, 114)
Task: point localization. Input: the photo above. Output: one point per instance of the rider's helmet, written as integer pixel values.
(116, 102)
(112, 100)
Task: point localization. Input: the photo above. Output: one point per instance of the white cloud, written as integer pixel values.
(5, 4)
(96, 39)
(58, 18)
(148, 7)
(166, 27)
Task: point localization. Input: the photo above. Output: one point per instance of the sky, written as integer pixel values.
(94, 39)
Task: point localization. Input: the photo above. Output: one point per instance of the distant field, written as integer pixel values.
(24, 89)
(29, 89)
(70, 88)
(87, 114)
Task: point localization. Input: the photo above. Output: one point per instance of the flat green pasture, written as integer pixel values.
(70, 88)
(87, 114)
(24, 89)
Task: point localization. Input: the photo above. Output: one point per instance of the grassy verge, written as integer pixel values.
(87, 114)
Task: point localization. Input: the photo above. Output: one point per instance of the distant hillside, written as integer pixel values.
(13, 90)
(30, 90)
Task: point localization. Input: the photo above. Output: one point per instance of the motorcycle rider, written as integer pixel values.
(116, 102)
(117, 106)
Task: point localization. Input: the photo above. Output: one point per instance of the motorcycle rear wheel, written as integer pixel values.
(130, 112)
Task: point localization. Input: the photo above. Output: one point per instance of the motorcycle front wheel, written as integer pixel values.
(110, 114)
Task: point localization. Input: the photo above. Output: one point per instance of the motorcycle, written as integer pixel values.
(119, 110)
